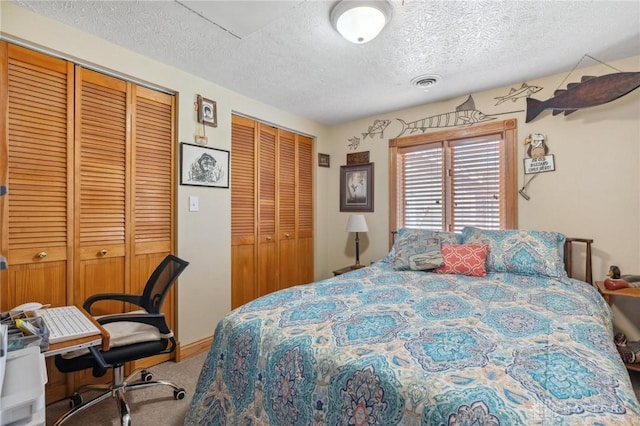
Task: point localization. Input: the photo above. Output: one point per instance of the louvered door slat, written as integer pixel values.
(102, 159)
(305, 183)
(37, 156)
(243, 180)
(267, 181)
(287, 183)
(153, 170)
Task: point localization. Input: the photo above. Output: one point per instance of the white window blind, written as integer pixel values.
(422, 183)
(476, 184)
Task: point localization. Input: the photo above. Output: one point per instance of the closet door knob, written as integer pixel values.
(42, 254)
(103, 252)
(287, 235)
(268, 237)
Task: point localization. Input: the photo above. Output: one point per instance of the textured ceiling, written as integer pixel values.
(286, 53)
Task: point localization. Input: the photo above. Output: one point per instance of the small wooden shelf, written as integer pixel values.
(606, 293)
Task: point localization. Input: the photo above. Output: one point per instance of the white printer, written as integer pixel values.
(23, 375)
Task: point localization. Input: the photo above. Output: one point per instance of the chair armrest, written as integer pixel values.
(129, 298)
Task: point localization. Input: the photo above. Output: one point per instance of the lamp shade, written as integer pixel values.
(360, 21)
(356, 223)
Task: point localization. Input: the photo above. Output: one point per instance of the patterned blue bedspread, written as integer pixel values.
(381, 347)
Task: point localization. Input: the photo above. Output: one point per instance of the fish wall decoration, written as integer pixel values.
(591, 91)
(465, 114)
(377, 128)
(514, 94)
(354, 143)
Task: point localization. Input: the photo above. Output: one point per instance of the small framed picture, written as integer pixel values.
(356, 188)
(202, 166)
(324, 160)
(207, 112)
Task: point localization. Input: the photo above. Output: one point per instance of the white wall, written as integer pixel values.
(594, 192)
(204, 290)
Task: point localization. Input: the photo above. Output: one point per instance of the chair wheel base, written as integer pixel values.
(146, 375)
(75, 400)
(179, 394)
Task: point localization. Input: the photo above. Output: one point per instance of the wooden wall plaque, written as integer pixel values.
(358, 158)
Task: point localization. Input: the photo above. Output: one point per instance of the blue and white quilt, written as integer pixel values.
(383, 347)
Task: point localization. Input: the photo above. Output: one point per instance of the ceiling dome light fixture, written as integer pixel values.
(360, 21)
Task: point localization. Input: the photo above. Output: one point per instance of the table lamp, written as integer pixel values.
(356, 223)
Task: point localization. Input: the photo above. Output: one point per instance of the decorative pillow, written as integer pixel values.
(464, 259)
(417, 252)
(520, 252)
(444, 237)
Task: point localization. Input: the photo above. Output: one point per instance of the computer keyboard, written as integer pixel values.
(66, 323)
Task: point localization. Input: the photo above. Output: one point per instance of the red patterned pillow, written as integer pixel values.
(464, 259)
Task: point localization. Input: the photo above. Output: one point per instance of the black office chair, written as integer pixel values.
(134, 335)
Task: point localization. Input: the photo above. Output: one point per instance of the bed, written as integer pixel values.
(475, 328)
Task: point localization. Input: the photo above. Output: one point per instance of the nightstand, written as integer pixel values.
(346, 269)
(624, 292)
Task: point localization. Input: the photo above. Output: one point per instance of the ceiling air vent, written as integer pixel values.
(425, 82)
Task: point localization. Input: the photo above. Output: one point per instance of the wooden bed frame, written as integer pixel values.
(568, 254)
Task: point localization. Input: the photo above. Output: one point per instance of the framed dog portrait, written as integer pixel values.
(202, 166)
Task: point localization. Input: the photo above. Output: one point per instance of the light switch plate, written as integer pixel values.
(193, 204)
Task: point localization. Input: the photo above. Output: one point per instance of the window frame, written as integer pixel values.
(505, 130)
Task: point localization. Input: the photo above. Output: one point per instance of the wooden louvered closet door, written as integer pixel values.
(243, 211)
(287, 247)
(267, 237)
(36, 220)
(152, 187)
(101, 198)
(271, 209)
(89, 163)
(304, 208)
(101, 194)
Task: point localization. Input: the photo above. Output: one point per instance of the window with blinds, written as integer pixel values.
(476, 184)
(452, 179)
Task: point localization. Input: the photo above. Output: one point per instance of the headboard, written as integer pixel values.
(568, 254)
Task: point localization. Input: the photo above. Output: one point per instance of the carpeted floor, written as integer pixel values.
(154, 406)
